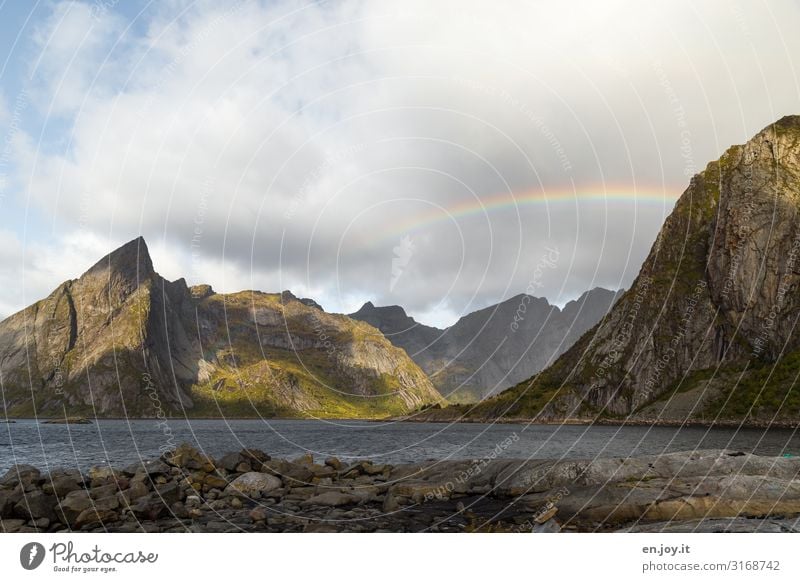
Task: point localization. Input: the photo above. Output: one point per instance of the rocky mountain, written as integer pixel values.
(708, 331)
(122, 341)
(493, 348)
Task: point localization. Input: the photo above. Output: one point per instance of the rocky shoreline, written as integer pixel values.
(448, 415)
(248, 491)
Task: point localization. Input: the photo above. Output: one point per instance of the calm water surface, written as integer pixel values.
(120, 442)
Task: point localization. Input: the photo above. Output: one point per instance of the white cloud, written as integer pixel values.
(275, 145)
(75, 56)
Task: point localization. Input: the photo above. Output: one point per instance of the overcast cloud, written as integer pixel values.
(355, 151)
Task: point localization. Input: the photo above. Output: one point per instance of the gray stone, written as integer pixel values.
(136, 491)
(151, 467)
(178, 509)
(252, 483)
(149, 507)
(332, 499)
(169, 492)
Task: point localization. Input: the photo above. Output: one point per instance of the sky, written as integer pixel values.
(441, 156)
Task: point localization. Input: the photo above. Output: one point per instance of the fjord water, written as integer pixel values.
(121, 442)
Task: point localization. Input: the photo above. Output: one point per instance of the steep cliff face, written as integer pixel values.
(493, 348)
(708, 329)
(89, 344)
(123, 341)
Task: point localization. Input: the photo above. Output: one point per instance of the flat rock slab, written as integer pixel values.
(726, 525)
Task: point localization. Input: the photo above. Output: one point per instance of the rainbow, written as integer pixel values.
(511, 201)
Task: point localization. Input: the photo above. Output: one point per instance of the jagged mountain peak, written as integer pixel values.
(787, 122)
(287, 296)
(493, 347)
(597, 297)
(151, 347)
(132, 260)
(388, 318)
(369, 306)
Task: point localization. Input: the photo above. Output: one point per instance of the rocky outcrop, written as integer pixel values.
(708, 329)
(493, 348)
(186, 490)
(123, 341)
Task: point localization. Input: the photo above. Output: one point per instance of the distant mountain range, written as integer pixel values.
(493, 348)
(709, 329)
(123, 341)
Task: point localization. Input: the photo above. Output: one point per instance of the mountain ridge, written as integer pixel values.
(122, 341)
(492, 348)
(707, 331)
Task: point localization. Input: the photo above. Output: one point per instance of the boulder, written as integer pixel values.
(255, 458)
(107, 490)
(149, 507)
(106, 503)
(186, 456)
(169, 492)
(333, 462)
(152, 467)
(253, 483)
(137, 490)
(306, 459)
(73, 505)
(61, 485)
(17, 474)
(229, 461)
(102, 473)
(178, 510)
(322, 471)
(391, 503)
(8, 499)
(35, 505)
(95, 516)
(214, 481)
(371, 470)
(298, 475)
